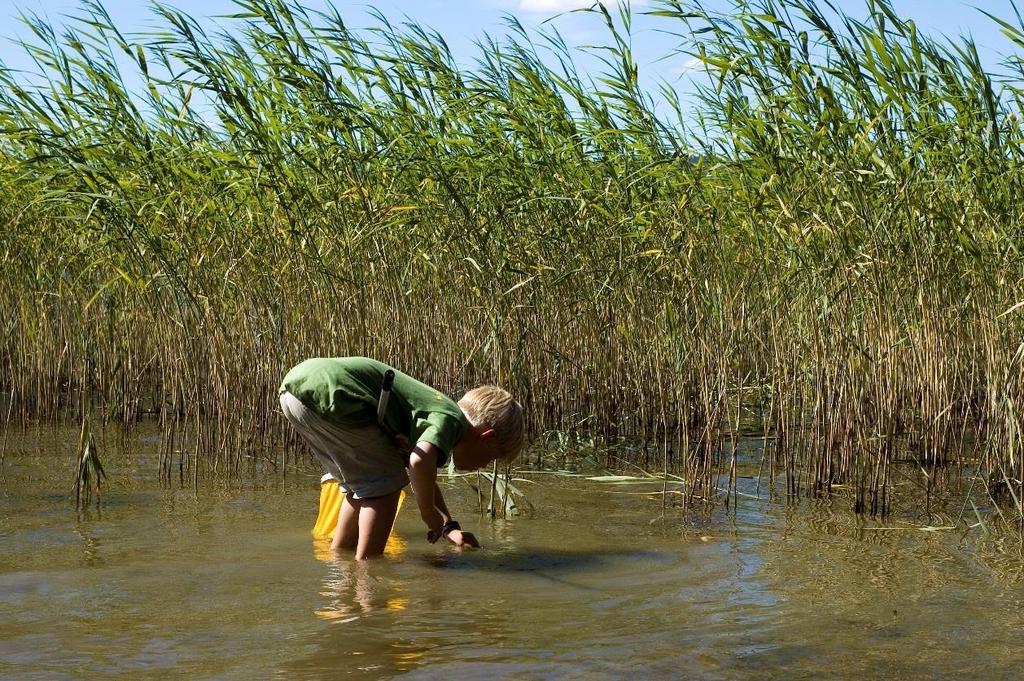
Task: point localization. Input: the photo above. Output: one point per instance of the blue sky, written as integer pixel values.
(462, 22)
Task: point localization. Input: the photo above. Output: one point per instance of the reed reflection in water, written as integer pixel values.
(227, 584)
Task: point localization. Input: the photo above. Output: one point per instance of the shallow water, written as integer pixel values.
(597, 583)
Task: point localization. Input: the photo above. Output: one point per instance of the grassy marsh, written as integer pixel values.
(820, 245)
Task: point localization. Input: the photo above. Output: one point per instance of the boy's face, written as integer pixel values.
(477, 449)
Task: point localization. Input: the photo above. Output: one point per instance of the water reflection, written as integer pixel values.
(384, 620)
(351, 587)
(498, 611)
(90, 546)
(223, 584)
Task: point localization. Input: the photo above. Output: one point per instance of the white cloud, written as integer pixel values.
(690, 64)
(556, 6)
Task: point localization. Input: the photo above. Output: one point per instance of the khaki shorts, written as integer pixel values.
(364, 460)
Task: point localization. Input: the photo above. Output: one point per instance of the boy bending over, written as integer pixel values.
(332, 403)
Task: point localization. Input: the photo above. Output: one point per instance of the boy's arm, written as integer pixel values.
(423, 477)
(458, 537)
(433, 510)
(439, 501)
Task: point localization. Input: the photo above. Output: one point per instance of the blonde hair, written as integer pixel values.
(489, 405)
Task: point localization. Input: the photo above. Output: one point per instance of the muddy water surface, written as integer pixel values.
(597, 583)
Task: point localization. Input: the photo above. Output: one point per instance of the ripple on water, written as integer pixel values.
(594, 585)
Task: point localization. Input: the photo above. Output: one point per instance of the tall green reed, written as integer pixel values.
(819, 245)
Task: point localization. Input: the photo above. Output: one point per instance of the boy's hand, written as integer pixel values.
(457, 537)
(460, 538)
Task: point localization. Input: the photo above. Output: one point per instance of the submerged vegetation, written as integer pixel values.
(819, 244)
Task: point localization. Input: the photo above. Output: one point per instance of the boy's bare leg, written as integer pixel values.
(376, 518)
(346, 534)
